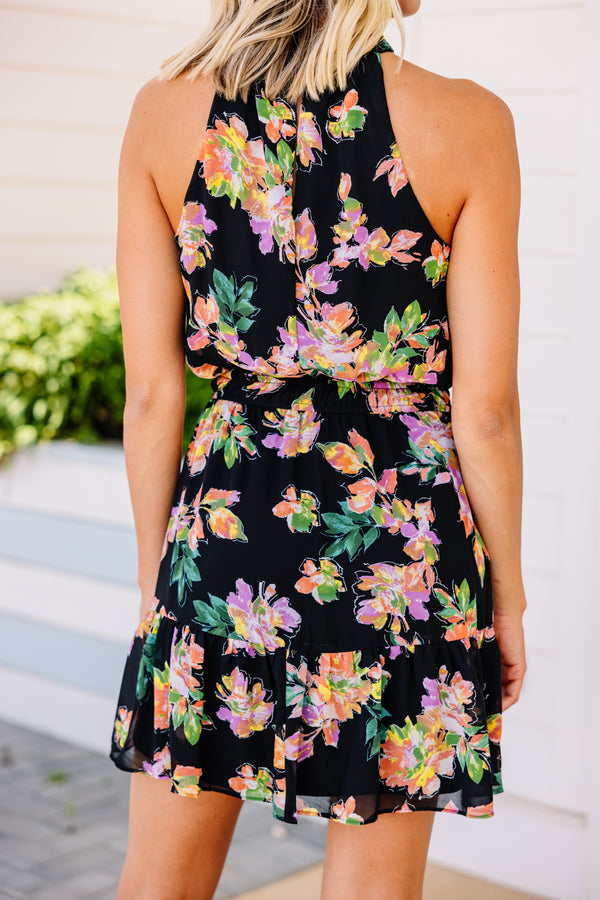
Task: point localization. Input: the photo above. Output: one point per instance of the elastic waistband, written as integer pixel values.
(328, 395)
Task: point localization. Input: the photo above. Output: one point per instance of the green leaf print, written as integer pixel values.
(214, 616)
(192, 726)
(184, 571)
(286, 159)
(411, 318)
(475, 765)
(233, 300)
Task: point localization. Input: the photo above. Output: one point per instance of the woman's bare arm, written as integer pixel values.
(152, 311)
(483, 305)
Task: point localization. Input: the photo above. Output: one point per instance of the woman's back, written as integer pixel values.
(321, 635)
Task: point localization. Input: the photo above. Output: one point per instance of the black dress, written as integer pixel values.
(321, 636)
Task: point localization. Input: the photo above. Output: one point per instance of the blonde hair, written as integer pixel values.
(296, 47)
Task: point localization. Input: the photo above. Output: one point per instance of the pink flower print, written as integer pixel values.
(422, 541)
(245, 707)
(436, 265)
(179, 522)
(414, 757)
(324, 342)
(394, 167)
(160, 765)
(297, 427)
(344, 811)
(271, 218)
(192, 236)
(395, 592)
(324, 581)
(444, 704)
(308, 140)
(317, 278)
(301, 509)
(306, 236)
(259, 620)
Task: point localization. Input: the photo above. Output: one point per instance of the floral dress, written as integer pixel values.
(321, 637)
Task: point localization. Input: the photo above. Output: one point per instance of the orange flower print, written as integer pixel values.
(414, 758)
(459, 613)
(122, 725)
(300, 508)
(221, 520)
(436, 265)
(278, 116)
(349, 459)
(494, 727)
(252, 785)
(346, 118)
(394, 167)
(186, 780)
(161, 698)
(344, 811)
(323, 580)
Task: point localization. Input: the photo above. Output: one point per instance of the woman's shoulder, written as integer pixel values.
(460, 107)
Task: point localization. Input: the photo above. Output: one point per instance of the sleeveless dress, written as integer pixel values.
(321, 637)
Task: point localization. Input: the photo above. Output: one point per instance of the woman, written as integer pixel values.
(316, 600)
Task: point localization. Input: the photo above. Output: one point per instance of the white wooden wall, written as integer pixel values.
(69, 71)
(541, 57)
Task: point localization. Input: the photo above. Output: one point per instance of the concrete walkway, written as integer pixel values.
(63, 834)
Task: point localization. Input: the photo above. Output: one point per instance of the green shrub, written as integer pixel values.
(61, 366)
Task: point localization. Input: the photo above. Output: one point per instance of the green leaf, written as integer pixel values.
(411, 318)
(286, 158)
(192, 726)
(475, 765)
(353, 542)
(230, 453)
(370, 537)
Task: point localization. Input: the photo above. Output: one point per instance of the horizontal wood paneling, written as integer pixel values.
(69, 602)
(50, 99)
(516, 49)
(30, 212)
(80, 45)
(25, 270)
(38, 154)
(172, 14)
(54, 477)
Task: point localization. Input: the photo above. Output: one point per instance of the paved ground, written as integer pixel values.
(63, 827)
(63, 834)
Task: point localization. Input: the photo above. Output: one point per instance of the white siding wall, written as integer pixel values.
(541, 58)
(70, 72)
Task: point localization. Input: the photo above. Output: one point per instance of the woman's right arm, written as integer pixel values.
(152, 314)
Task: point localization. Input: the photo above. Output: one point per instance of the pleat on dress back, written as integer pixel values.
(322, 632)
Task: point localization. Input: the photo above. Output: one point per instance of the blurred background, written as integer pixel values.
(68, 600)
